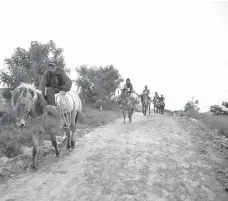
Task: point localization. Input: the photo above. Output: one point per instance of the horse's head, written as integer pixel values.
(23, 101)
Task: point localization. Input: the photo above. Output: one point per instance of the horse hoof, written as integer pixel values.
(72, 144)
(57, 154)
(68, 146)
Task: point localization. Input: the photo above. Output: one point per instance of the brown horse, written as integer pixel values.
(126, 105)
(29, 101)
(145, 104)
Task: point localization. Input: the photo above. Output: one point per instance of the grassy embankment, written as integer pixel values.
(12, 139)
(218, 122)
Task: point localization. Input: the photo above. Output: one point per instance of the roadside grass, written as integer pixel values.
(13, 139)
(218, 122)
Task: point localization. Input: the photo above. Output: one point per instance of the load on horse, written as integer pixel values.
(55, 104)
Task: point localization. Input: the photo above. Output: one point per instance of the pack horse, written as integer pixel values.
(29, 101)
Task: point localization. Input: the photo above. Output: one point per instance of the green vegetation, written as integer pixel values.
(97, 83)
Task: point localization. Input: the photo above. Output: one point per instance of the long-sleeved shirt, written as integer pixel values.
(58, 80)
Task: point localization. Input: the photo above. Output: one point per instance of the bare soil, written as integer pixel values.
(155, 158)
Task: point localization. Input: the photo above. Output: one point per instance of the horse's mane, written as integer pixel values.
(29, 87)
(22, 90)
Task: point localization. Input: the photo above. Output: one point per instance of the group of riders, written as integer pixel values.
(55, 80)
(146, 92)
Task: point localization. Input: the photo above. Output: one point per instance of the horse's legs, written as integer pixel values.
(74, 119)
(35, 139)
(124, 116)
(68, 131)
(130, 115)
(52, 132)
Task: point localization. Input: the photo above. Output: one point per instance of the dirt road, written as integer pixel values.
(151, 159)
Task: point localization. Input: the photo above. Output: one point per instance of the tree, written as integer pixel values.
(192, 105)
(101, 82)
(29, 65)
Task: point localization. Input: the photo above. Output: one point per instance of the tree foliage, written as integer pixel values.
(98, 82)
(29, 65)
(192, 105)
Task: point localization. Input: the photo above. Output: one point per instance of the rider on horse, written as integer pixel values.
(128, 89)
(146, 93)
(54, 80)
(162, 99)
(156, 96)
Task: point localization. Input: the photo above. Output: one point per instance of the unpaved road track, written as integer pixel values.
(151, 159)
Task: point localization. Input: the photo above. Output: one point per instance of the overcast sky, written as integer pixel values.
(177, 48)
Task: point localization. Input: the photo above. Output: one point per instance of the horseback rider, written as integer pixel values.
(162, 99)
(128, 87)
(146, 92)
(55, 80)
(156, 96)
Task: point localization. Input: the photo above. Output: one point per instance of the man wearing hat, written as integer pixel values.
(54, 80)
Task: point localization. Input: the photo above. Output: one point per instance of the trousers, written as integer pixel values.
(50, 95)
